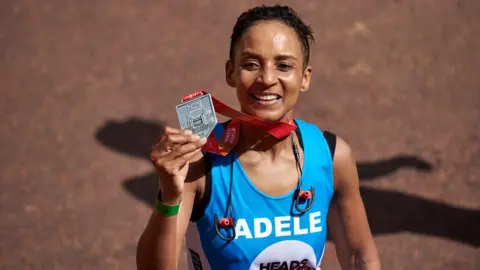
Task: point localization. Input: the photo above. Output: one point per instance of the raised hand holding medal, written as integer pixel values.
(171, 156)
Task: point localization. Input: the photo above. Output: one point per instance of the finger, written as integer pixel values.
(167, 130)
(173, 140)
(167, 152)
(170, 142)
(174, 160)
(184, 149)
(177, 164)
(172, 131)
(188, 147)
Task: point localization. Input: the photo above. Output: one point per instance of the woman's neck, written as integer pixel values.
(254, 139)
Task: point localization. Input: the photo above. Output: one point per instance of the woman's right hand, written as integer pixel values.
(171, 156)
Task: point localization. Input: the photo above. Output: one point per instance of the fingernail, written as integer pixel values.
(195, 137)
(203, 140)
(188, 132)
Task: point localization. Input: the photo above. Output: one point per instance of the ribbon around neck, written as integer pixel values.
(231, 132)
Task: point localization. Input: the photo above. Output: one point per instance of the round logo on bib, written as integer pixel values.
(288, 255)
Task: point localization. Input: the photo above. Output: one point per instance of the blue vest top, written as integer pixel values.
(268, 236)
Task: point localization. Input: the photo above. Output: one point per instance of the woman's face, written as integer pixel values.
(268, 71)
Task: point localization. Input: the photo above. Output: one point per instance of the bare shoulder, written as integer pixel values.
(344, 165)
(343, 151)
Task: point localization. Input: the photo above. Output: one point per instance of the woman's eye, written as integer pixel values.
(250, 65)
(284, 67)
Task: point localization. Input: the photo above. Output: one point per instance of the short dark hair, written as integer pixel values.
(283, 14)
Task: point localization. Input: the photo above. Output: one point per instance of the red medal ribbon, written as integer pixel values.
(230, 135)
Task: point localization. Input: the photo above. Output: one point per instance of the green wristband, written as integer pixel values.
(167, 210)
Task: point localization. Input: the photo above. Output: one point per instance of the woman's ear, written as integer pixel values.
(229, 71)
(307, 74)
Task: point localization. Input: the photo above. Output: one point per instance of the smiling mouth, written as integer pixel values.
(266, 97)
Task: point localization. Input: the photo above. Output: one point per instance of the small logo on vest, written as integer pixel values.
(294, 254)
(287, 265)
(231, 134)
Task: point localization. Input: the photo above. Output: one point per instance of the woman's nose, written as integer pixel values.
(267, 76)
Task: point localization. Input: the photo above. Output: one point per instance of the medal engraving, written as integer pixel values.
(197, 115)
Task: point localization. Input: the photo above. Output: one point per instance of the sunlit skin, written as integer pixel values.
(269, 59)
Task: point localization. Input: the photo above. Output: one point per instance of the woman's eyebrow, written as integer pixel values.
(283, 56)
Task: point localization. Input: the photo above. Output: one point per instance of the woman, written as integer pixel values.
(264, 205)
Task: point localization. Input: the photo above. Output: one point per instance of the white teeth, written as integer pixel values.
(266, 97)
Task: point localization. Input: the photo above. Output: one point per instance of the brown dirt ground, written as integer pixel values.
(87, 84)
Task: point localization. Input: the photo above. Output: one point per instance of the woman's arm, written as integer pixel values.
(160, 244)
(335, 228)
(362, 252)
(180, 165)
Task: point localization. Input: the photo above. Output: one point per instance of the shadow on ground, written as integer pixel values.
(388, 211)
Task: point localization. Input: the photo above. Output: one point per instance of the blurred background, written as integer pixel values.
(87, 85)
